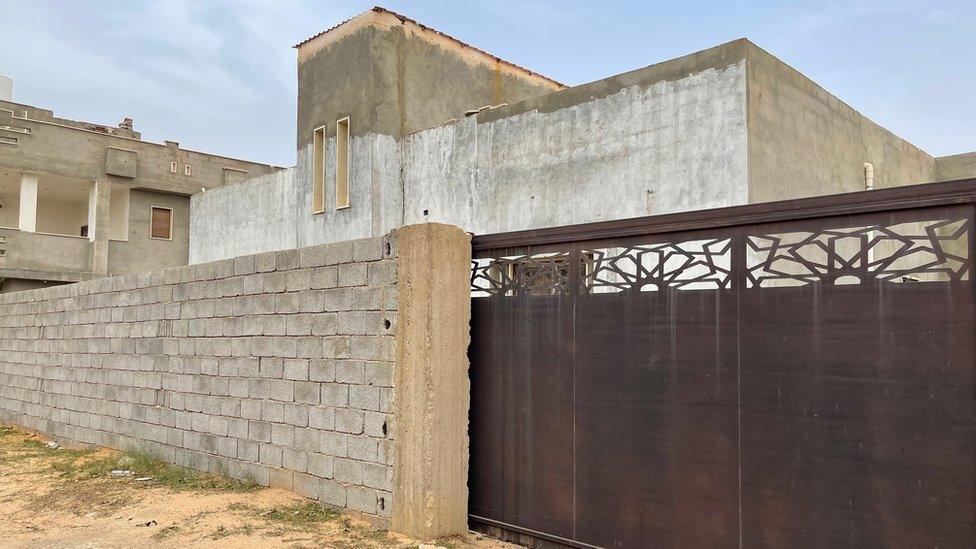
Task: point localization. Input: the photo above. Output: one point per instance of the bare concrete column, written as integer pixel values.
(28, 202)
(430, 467)
(98, 224)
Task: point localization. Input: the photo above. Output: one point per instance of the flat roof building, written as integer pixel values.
(399, 124)
(80, 200)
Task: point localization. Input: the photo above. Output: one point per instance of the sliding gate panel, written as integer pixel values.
(807, 382)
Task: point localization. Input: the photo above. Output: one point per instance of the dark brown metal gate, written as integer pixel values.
(796, 374)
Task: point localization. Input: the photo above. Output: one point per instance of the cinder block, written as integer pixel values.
(361, 499)
(352, 274)
(296, 415)
(248, 450)
(272, 411)
(333, 443)
(321, 465)
(334, 394)
(349, 421)
(296, 369)
(321, 417)
(350, 371)
(379, 374)
(364, 397)
(259, 431)
(381, 273)
(367, 249)
(332, 493)
(335, 347)
(294, 460)
(307, 392)
(378, 476)
(282, 435)
(287, 259)
(321, 370)
(362, 448)
(324, 277)
(348, 471)
(306, 485)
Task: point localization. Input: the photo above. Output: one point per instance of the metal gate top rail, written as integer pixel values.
(962, 191)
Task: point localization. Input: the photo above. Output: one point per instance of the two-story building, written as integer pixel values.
(80, 200)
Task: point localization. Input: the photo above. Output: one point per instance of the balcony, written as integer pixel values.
(42, 255)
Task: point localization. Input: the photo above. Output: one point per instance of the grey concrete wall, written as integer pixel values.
(43, 252)
(139, 252)
(665, 138)
(375, 204)
(957, 166)
(390, 76)
(643, 143)
(52, 146)
(803, 141)
(249, 217)
(277, 366)
(288, 367)
(431, 380)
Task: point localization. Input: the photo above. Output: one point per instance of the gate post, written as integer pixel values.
(432, 391)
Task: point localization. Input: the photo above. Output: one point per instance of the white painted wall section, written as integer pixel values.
(28, 202)
(669, 147)
(252, 216)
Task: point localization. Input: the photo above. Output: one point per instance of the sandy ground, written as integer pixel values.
(45, 502)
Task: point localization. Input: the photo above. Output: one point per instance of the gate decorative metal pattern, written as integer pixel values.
(786, 375)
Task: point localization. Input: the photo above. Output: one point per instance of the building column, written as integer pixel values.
(99, 210)
(28, 202)
(430, 464)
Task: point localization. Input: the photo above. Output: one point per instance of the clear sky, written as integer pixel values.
(219, 75)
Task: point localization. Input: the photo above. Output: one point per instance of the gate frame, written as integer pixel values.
(908, 197)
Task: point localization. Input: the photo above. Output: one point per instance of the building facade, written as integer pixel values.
(401, 124)
(80, 200)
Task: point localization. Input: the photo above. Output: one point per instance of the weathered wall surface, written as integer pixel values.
(431, 380)
(803, 141)
(651, 143)
(281, 366)
(277, 365)
(252, 216)
(44, 150)
(139, 252)
(956, 166)
(390, 76)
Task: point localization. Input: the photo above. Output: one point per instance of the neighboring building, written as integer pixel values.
(392, 130)
(80, 200)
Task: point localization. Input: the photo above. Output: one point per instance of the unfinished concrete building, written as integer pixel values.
(399, 124)
(80, 200)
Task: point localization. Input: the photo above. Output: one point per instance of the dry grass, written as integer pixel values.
(65, 498)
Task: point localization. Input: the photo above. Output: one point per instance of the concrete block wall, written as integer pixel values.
(279, 366)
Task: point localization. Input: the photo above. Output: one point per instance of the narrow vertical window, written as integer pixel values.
(318, 170)
(187, 170)
(342, 163)
(161, 223)
(173, 167)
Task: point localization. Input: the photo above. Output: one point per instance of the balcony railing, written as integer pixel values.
(20, 250)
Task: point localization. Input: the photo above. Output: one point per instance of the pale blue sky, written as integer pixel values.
(219, 75)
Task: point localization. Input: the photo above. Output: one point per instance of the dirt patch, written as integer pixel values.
(59, 498)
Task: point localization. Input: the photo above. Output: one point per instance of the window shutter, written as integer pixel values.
(162, 223)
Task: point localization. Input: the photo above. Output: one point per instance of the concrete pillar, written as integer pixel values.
(28, 202)
(99, 210)
(430, 472)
